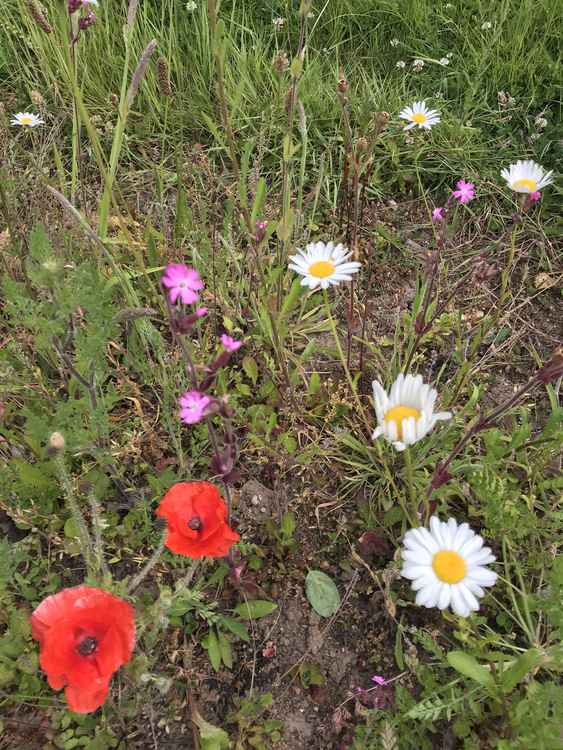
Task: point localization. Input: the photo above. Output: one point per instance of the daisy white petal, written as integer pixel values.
(323, 265)
(440, 562)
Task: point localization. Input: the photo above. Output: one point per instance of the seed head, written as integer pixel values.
(38, 15)
(163, 77)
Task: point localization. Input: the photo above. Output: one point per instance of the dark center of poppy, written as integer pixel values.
(195, 523)
(87, 646)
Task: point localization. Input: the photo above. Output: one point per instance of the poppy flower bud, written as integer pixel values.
(56, 442)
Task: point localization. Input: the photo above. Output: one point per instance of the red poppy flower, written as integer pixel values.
(196, 515)
(85, 635)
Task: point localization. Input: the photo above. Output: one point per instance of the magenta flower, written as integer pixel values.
(379, 680)
(201, 311)
(230, 344)
(534, 197)
(438, 215)
(183, 282)
(192, 406)
(465, 191)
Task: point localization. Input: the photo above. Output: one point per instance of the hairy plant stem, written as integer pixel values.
(97, 525)
(149, 565)
(87, 548)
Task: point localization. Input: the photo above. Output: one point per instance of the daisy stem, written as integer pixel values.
(343, 360)
(412, 491)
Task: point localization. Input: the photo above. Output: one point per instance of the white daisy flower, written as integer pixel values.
(27, 120)
(446, 565)
(400, 64)
(417, 65)
(406, 415)
(324, 265)
(444, 61)
(394, 42)
(526, 177)
(420, 115)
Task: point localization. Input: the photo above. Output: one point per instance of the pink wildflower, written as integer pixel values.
(183, 282)
(192, 406)
(534, 197)
(201, 311)
(230, 344)
(379, 680)
(465, 191)
(438, 215)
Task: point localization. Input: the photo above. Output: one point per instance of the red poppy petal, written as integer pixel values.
(85, 700)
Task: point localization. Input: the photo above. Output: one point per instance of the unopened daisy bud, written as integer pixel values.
(38, 15)
(56, 442)
(553, 368)
(281, 63)
(163, 77)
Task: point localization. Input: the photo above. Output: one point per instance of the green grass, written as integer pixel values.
(519, 54)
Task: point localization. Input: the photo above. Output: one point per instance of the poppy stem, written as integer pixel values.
(87, 548)
(187, 579)
(149, 565)
(98, 525)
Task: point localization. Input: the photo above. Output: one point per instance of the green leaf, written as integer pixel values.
(322, 593)
(71, 529)
(250, 368)
(212, 738)
(236, 627)
(225, 649)
(211, 643)
(468, 666)
(521, 667)
(255, 609)
(314, 384)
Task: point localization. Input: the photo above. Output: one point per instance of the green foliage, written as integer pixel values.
(322, 593)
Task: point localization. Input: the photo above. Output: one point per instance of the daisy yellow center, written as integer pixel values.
(449, 566)
(26, 120)
(321, 269)
(398, 413)
(419, 118)
(530, 185)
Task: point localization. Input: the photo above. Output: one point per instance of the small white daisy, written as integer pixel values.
(400, 64)
(540, 122)
(526, 177)
(278, 23)
(417, 65)
(446, 565)
(191, 6)
(419, 115)
(444, 61)
(27, 120)
(394, 42)
(324, 265)
(406, 415)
